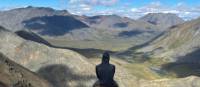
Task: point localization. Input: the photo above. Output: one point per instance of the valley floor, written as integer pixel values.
(111, 45)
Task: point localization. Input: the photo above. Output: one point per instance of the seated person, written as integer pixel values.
(105, 73)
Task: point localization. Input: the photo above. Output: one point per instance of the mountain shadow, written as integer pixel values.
(87, 52)
(61, 76)
(148, 42)
(54, 25)
(185, 65)
(131, 52)
(121, 25)
(130, 33)
(28, 35)
(3, 29)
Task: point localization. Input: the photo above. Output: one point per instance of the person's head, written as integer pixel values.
(106, 57)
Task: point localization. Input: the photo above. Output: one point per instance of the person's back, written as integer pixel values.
(105, 72)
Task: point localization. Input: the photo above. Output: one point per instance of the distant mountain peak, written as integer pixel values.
(19, 15)
(37, 7)
(40, 8)
(163, 20)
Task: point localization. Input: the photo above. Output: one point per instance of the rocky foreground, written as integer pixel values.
(15, 75)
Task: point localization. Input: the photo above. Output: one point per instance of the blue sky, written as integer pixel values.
(187, 9)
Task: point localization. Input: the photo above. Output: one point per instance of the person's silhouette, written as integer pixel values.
(105, 72)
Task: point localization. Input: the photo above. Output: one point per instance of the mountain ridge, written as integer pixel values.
(162, 20)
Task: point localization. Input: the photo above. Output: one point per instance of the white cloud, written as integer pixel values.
(89, 7)
(11, 7)
(94, 2)
(133, 9)
(180, 9)
(86, 9)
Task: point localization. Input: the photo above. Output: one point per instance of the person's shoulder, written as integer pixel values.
(112, 65)
(98, 65)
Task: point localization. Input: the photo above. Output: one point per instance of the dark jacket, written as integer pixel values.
(105, 72)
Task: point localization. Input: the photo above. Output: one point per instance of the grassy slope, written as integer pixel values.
(180, 39)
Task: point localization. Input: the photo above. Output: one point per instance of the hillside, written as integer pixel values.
(177, 49)
(179, 41)
(15, 75)
(48, 61)
(61, 67)
(162, 20)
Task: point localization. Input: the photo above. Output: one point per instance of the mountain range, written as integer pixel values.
(43, 66)
(61, 28)
(46, 20)
(45, 47)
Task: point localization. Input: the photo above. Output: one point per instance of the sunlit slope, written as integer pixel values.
(178, 41)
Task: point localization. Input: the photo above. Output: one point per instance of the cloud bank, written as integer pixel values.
(91, 7)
